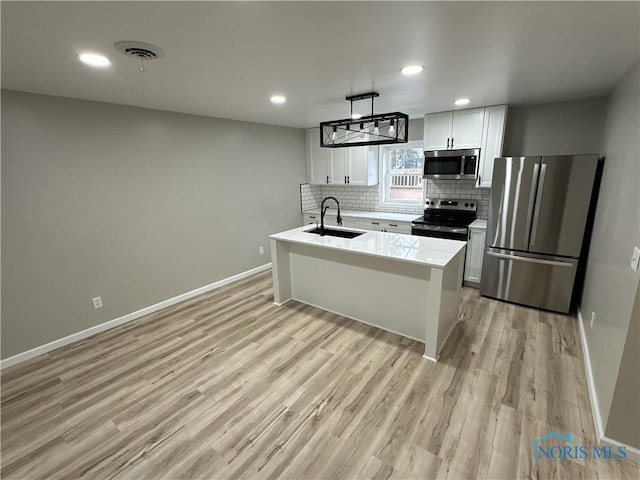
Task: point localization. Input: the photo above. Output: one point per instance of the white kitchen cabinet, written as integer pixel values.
(459, 129)
(340, 166)
(475, 252)
(317, 158)
(329, 220)
(310, 218)
(385, 226)
(353, 166)
(495, 119)
(363, 165)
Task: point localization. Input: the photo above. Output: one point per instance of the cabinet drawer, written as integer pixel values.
(386, 226)
(310, 218)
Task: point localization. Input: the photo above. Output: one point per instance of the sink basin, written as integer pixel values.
(335, 233)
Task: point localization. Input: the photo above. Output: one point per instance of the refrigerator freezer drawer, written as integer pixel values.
(539, 281)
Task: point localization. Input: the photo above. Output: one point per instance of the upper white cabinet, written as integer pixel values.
(317, 158)
(495, 119)
(362, 165)
(340, 166)
(455, 130)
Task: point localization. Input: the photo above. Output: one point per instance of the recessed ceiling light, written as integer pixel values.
(278, 99)
(94, 60)
(462, 101)
(356, 116)
(412, 69)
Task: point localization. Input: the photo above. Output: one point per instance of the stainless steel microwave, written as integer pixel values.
(451, 163)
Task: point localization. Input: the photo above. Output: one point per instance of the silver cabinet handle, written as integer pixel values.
(451, 142)
(447, 143)
(530, 260)
(536, 214)
(375, 223)
(327, 178)
(348, 179)
(312, 216)
(393, 224)
(532, 198)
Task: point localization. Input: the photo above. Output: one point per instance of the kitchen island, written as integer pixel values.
(409, 285)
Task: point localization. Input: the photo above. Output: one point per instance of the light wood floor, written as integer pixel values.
(228, 385)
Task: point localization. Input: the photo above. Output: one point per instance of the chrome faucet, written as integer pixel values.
(324, 209)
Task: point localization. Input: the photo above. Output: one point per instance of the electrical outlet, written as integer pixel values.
(261, 250)
(635, 258)
(97, 302)
(593, 317)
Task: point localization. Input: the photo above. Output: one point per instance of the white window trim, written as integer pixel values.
(383, 177)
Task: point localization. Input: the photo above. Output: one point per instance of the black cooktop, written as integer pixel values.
(448, 212)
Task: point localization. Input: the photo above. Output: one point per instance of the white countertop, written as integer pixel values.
(433, 252)
(399, 217)
(479, 223)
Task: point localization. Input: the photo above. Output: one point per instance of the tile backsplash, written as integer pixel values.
(367, 198)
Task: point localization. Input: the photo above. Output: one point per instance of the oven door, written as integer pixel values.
(440, 231)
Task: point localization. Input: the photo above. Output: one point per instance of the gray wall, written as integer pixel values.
(555, 128)
(135, 205)
(610, 284)
(624, 417)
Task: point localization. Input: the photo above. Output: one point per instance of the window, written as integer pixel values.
(401, 174)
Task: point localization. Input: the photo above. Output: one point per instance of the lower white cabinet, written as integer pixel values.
(329, 220)
(363, 223)
(475, 252)
(385, 226)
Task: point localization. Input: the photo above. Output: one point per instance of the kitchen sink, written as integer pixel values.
(335, 233)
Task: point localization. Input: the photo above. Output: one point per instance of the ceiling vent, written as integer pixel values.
(139, 50)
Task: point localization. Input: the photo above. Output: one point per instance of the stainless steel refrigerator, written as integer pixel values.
(538, 212)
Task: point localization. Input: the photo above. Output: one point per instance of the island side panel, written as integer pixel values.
(281, 270)
(376, 291)
(452, 276)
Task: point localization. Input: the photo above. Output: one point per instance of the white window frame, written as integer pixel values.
(384, 177)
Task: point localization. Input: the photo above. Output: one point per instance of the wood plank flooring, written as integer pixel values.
(228, 385)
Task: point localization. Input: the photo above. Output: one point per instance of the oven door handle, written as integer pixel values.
(439, 228)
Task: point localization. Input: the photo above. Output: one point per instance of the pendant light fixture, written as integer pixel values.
(374, 129)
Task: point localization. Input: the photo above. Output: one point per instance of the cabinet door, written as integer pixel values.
(437, 130)
(338, 160)
(316, 158)
(362, 166)
(495, 119)
(329, 220)
(350, 222)
(466, 129)
(475, 251)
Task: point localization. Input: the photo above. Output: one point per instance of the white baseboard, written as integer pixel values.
(34, 352)
(593, 396)
(633, 453)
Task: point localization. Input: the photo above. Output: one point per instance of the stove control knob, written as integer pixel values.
(472, 204)
(433, 203)
(466, 204)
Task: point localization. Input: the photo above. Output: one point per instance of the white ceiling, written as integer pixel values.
(225, 59)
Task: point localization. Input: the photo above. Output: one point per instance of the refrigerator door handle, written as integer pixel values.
(536, 214)
(532, 197)
(555, 263)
